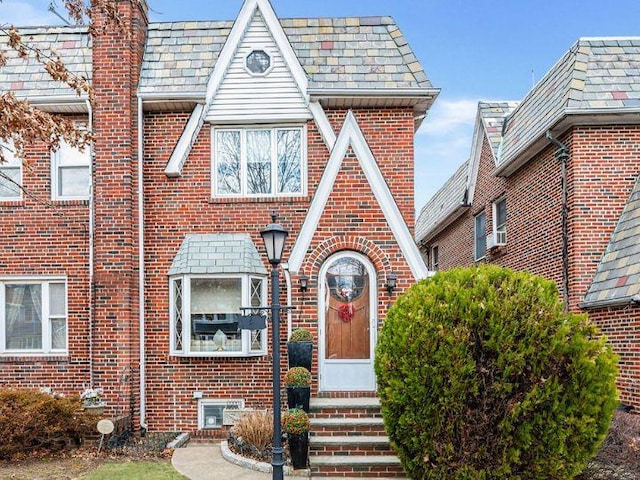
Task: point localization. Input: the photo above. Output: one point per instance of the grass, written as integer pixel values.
(137, 470)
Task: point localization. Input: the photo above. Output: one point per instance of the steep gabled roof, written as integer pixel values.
(335, 53)
(444, 205)
(596, 76)
(617, 279)
(457, 193)
(351, 136)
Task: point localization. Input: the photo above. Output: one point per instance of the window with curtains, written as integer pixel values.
(205, 311)
(33, 316)
(258, 162)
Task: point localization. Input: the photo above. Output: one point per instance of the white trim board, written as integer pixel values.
(351, 135)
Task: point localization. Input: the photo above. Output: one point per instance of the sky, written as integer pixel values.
(471, 49)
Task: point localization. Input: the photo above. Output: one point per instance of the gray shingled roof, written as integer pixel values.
(595, 75)
(446, 201)
(217, 253)
(617, 279)
(28, 78)
(493, 115)
(367, 52)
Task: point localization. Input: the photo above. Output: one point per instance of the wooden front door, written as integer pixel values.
(347, 323)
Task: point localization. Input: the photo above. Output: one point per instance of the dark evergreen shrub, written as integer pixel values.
(36, 423)
(482, 376)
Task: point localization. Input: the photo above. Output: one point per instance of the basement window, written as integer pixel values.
(211, 412)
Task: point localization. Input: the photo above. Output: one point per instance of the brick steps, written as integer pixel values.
(348, 439)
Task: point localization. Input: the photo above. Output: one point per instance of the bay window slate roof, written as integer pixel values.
(368, 52)
(27, 78)
(450, 197)
(596, 75)
(617, 278)
(217, 253)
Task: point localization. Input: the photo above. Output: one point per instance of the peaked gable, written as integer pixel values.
(351, 136)
(243, 96)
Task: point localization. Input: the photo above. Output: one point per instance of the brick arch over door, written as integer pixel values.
(331, 245)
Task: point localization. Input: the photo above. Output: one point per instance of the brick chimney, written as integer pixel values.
(117, 58)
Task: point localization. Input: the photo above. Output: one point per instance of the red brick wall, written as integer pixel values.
(622, 328)
(602, 170)
(177, 206)
(44, 238)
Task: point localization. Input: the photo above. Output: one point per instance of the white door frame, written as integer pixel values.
(347, 374)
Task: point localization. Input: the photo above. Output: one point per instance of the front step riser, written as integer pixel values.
(341, 430)
(350, 450)
(365, 471)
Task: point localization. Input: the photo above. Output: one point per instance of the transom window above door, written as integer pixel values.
(258, 162)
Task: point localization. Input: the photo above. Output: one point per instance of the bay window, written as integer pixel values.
(33, 316)
(204, 315)
(258, 161)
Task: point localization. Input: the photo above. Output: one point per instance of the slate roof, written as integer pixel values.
(617, 279)
(28, 78)
(217, 253)
(368, 52)
(446, 201)
(595, 75)
(492, 115)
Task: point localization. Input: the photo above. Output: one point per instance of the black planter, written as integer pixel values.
(300, 354)
(299, 449)
(298, 397)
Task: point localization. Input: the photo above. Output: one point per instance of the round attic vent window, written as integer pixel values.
(258, 62)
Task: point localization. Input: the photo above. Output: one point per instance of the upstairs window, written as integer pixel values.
(71, 173)
(10, 174)
(256, 162)
(480, 235)
(33, 316)
(258, 62)
(500, 222)
(434, 259)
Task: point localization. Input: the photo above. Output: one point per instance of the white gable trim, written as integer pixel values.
(235, 37)
(191, 131)
(351, 135)
(476, 151)
(185, 142)
(322, 122)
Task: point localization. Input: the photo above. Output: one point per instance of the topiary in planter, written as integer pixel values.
(482, 376)
(298, 382)
(300, 348)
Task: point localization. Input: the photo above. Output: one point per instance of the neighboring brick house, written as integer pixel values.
(127, 272)
(546, 187)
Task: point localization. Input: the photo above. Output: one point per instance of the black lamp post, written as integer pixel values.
(274, 236)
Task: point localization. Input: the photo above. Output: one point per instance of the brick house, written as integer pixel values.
(124, 267)
(551, 187)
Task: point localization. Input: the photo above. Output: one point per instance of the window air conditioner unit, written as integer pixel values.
(497, 239)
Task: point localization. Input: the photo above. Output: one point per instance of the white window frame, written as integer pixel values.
(274, 161)
(11, 163)
(502, 227)
(46, 316)
(479, 255)
(268, 52)
(435, 260)
(186, 316)
(57, 164)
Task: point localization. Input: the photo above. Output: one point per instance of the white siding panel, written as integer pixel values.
(244, 98)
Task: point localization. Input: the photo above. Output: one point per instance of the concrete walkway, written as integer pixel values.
(203, 461)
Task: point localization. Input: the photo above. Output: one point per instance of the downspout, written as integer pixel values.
(287, 279)
(91, 248)
(141, 276)
(563, 155)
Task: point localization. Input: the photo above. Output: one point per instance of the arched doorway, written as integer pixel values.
(347, 307)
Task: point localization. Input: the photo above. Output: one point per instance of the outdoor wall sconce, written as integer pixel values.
(391, 282)
(304, 283)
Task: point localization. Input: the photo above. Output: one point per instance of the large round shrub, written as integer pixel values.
(482, 376)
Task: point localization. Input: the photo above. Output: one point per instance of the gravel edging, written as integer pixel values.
(251, 464)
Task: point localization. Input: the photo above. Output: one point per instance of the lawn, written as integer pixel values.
(137, 470)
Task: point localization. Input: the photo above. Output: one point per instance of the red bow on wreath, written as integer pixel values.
(345, 312)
